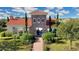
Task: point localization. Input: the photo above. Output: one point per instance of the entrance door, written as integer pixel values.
(39, 31)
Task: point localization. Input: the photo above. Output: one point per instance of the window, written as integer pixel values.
(43, 19)
(14, 29)
(34, 19)
(38, 19)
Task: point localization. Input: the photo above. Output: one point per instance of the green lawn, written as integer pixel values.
(63, 46)
(25, 48)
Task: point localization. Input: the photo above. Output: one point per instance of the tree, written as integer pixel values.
(50, 24)
(7, 19)
(60, 32)
(68, 30)
(3, 23)
(26, 20)
(57, 16)
(57, 19)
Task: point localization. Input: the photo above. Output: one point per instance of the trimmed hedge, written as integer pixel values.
(14, 45)
(27, 38)
(10, 45)
(6, 34)
(5, 38)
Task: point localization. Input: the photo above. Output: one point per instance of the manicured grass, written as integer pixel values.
(63, 46)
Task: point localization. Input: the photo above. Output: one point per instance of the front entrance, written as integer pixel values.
(39, 31)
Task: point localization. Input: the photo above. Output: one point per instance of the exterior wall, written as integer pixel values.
(38, 21)
(17, 28)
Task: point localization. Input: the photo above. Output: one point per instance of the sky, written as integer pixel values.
(64, 12)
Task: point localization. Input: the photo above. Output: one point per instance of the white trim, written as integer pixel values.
(39, 28)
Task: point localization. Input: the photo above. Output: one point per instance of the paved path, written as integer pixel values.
(38, 45)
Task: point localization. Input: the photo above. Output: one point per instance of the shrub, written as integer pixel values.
(27, 38)
(8, 45)
(1, 29)
(16, 36)
(20, 33)
(48, 36)
(8, 34)
(5, 34)
(2, 34)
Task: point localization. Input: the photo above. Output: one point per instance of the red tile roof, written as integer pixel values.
(39, 12)
(19, 21)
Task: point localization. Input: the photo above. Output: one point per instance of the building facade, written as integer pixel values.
(36, 23)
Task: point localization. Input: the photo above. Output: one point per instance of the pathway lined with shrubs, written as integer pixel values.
(38, 45)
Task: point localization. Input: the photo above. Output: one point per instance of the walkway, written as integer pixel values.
(38, 45)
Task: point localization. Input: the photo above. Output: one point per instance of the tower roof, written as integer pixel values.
(38, 12)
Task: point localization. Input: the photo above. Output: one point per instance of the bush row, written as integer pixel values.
(10, 45)
(6, 34)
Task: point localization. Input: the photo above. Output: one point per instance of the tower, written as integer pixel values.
(38, 21)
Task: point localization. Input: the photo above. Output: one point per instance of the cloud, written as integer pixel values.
(77, 14)
(18, 9)
(52, 13)
(47, 10)
(64, 11)
(59, 8)
(1, 9)
(61, 14)
(3, 15)
(77, 9)
(28, 10)
(50, 8)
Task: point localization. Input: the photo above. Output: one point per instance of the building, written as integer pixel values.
(37, 22)
(17, 24)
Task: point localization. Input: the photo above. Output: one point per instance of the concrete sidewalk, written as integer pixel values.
(38, 45)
